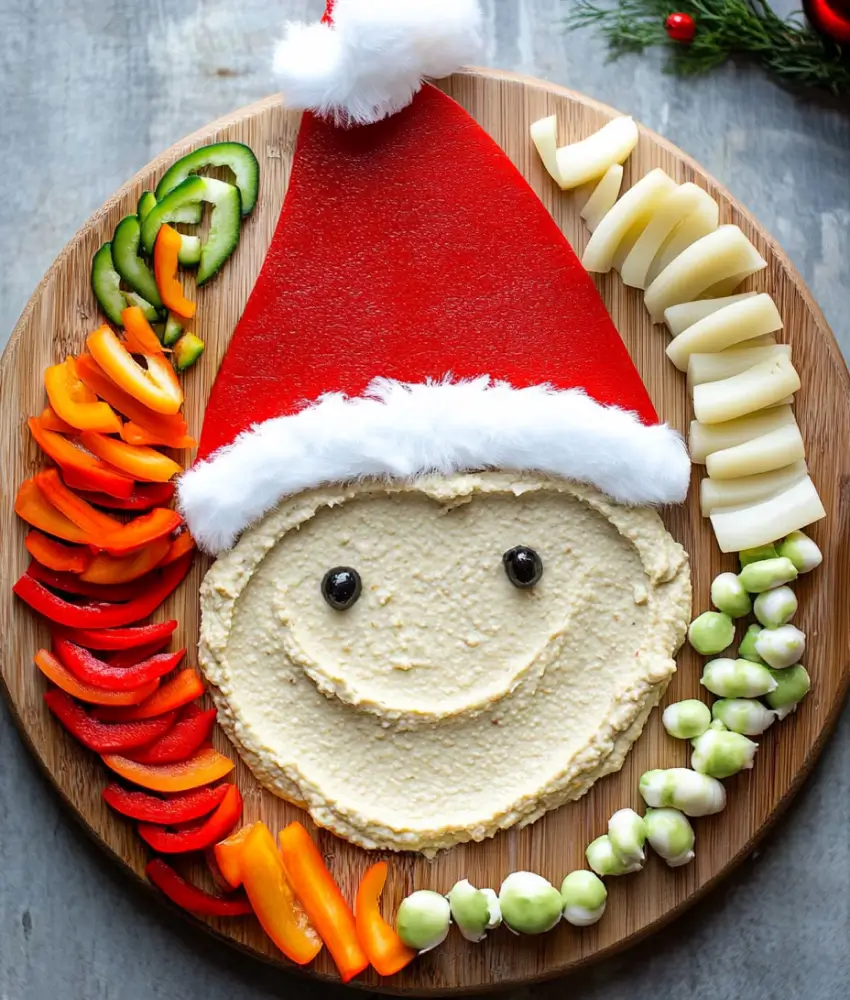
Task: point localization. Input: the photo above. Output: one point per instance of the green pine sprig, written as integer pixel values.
(787, 47)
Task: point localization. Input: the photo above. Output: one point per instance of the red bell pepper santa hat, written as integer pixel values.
(418, 310)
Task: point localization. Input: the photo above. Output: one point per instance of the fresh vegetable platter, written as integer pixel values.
(62, 316)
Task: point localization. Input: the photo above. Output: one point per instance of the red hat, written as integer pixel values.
(419, 311)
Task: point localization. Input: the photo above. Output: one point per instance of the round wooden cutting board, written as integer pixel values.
(63, 311)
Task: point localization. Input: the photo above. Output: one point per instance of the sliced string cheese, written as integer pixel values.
(762, 454)
(713, 367)
(676, 206)
(726, 327)
(544, 135)
(721, 494)
(756, 388)
(705, 439)
(626, 220)
(722, 253)
(603, 197)
(591, 157)
(768, 340)
(704, 220)
(679, 318)
(740, 528)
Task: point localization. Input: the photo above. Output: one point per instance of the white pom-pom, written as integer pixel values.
(371, 60)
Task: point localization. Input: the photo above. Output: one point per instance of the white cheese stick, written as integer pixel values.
(762, 454)
(716, 494)
(603, 197)
(742, 528)
(679, 318)
(725, 364)
(757, 388)
(724, 252)
(680, 202)
(768, 340)
(705, 439)
(733, 324)
(544, 135)
(581, 161)
(693, 227)
(626, 220)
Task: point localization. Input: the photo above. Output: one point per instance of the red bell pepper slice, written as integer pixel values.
(200, 835)
(56, 671)
(182, 688)
(202, 768)
(136, 461)
(180, 545)
(80, 469)
(74, 401)
(143, 497)
(228, 856)
(142, 530)
(180, 808)
(165, 262)
(387, 952)
(188, 734)
(323, 903)
(110, 570)
(33, 507)
(155, 386)
(50, 420)
(120, 638)
(130, 657)
(94, 522)
(133, 433)
(99, 615)
(58, 557)
(72, 583)
(85, 666)
(104, 737)
(190, 897)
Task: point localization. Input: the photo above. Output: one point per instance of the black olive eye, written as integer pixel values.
(341, 587)
(523, 566)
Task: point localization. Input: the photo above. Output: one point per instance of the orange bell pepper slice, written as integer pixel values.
(92, 521)
(387, 952)
(273, 899)
(51, 421)
(202, 768)
(133, 433)
(165, 263)
(183, 687)
(109, 569)
(35, 509)
(142, 463)
(324, 904)
(56, 556)
(140, 531)
(139, 334)
(228, 855)
(57, 672)
(74, 402)
(81, 470)
(156, 386)
(180, 545)
(155, 423)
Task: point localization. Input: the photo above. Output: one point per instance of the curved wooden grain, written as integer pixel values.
(63, 310)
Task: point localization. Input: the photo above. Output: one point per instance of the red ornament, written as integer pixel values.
(681, 28)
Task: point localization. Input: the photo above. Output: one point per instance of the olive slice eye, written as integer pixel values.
(341, 587)
(523, 566)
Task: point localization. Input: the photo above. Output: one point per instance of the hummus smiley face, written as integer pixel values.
(456, 693)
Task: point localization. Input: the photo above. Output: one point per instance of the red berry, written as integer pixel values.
(681, 28)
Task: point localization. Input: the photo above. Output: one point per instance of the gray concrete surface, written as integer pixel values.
(90, 90)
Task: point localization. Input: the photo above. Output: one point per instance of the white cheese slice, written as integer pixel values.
(757, 388)
(679, 318)
(764, 522)
(733, 324)
(581, 161)
(705, 439)
(544, 135)
(603, 197)
(724, 252)
(763, 454)
(715, 494)
(628, 218)
(725, 364)
(704, 220)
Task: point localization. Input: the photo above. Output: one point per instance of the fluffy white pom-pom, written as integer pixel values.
(372, 59)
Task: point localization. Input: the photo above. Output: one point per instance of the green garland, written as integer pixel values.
(788, 48)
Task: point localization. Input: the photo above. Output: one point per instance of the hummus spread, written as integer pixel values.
(446, 703)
